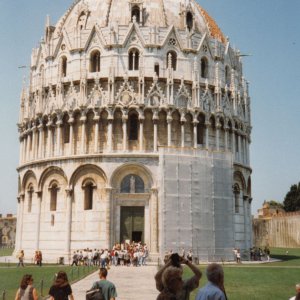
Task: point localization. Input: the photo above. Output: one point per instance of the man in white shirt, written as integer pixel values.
(214, 289)
(297, 292)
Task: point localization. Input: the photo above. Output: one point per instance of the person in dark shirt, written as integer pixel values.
(61, 289)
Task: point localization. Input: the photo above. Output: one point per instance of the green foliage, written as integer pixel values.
(292, 199)
(272, 281)
(275, 204)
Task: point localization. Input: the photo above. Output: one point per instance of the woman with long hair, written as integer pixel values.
(61, 289)
(26, 290)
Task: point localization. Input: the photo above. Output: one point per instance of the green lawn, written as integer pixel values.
(260, 282)
(6, 251)
(10, 277)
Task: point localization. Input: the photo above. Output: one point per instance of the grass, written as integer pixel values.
(10, 278)
(6, 251)
(260, 282)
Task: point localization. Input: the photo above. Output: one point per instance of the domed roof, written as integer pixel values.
(160, 13)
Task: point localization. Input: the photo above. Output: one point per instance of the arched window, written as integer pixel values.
(133, 127)
(95, 61)
(133, 59)
(66, 129)
(88, 195)
(132, 184)
(236, 193)
(53, 196)
(204, 67)
(135, 12)
(156, 69)
(200, 130)
(63, 66)
(172, 60)
(189, 21)
(82, 21)
(227, 75)
(30, 196)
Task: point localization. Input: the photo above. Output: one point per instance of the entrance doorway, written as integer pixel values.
(132, 223)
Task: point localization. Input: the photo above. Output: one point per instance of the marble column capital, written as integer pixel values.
(69, 191)
(39, 194)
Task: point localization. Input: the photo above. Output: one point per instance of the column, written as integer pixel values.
(141, 133)
(49, 139)
(68, 221)
(58, 137)
(155, 135)
(109, 140)
(33, 153)
(233, 143)
(38, 220)
(226, 138)
(83, 120)
(218, 136)
(207, 124)
(21, 139)
(239, 148)
(22, 197)
(71, 143)
(195, 124)
(182, 134)
(29, 146)
(17, 247)
(169, 121)
(108, 216)
(96, 120)
(24, 148)
(124, 127)
(154, 220)
(41, 141)
(248, 141)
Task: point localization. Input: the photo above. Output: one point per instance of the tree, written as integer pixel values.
(275, 204)
(292, 199)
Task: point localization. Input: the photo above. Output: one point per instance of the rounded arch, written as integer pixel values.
(128, 168)
(249, 187)
(239, 179)
(86, 170)
(204, 67)
(29, 177)
(63, 64)
(172, 59)
(95, 60)
(133, 59)
(50, 171)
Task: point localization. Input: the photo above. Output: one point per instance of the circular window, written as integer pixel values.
(172, 42)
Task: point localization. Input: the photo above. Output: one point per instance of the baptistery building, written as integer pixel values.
(135, 126)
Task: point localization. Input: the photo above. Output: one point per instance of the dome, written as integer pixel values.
(160, 13)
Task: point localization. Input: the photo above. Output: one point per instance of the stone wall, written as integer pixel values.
(277, 231)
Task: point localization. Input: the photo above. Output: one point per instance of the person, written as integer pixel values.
(26, 290)
(214, 289)
(75, 259)
(297, 297)
(108, 288)
(188, 285)
(21, 258)
(172, 282)
(238, 256)
(61, 289)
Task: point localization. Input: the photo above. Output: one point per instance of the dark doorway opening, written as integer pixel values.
(132, 223)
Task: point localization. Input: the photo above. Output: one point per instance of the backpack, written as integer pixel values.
(94, 294)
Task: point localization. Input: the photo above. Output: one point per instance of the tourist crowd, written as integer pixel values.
(125, 254)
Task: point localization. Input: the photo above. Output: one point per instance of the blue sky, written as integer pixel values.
(267, 29)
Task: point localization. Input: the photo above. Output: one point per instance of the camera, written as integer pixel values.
(175, 259)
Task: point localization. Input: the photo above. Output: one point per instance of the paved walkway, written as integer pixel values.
(132, 283)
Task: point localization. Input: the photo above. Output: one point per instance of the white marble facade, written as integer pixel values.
(113, 85)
